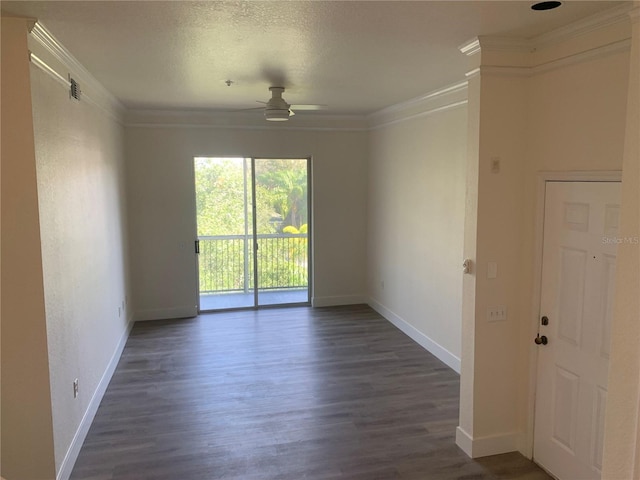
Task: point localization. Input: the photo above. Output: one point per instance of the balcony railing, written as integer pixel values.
(226, 262)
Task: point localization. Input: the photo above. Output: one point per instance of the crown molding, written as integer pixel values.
(450, 96)
(620, 14)
(470, 47)
(504, 71)
(148, 118)
(92, 90)
(598, 52)
(506, 44)
(496, 44)
(582, 27)
(516, 71)
(448, 106)
(472, 73)
(38, 62)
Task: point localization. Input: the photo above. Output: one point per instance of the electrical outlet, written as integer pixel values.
(495, 314)
(381, 284)
(119, 312)
(75, 388)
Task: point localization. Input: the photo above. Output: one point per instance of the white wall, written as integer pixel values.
(80, 165)
(416, 194)
(162, 206)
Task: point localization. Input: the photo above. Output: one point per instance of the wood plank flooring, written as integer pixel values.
(296, 393)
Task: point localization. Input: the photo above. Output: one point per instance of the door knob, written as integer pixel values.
(541, 340)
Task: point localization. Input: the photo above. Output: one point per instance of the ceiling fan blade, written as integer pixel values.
(310, 107)
(234, 110)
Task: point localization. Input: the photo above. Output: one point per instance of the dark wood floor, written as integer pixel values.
(298, 393)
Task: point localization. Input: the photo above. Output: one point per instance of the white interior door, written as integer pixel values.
(578, 272)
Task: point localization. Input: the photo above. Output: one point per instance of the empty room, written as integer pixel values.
(320, 239)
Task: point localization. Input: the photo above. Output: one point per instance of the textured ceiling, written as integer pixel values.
(357, 57)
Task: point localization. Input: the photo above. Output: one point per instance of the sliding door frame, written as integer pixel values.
(254, 236)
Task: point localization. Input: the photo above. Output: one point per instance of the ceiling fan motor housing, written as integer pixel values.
(277, 109)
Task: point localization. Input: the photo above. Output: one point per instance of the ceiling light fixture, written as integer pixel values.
(545, 5)
(277, 115)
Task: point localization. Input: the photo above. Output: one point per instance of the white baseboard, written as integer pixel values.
(338, 300)
(485, 446)
(423, 340)
(464, 441)
(165, 313)
(70, 458)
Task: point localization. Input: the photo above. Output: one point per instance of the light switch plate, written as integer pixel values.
(492, 270)
(497, 314)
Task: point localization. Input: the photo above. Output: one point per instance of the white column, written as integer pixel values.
(493, 228)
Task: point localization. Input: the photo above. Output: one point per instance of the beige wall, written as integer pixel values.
(499, 240)
(162, 208)
(64, 266)
(80, 172)
(27, 431)
(416, 192)
(622, 429)
(577, 123)
(564, 116)
(467, 347)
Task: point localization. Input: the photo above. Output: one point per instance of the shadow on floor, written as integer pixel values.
(512, 466)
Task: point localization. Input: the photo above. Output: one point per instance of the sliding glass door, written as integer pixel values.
(282, 230)
(252, 253)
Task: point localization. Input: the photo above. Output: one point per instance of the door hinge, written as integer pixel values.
(197, 246)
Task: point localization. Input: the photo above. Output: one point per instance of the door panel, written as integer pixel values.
(598, 428)
(282, 227)
(578, 275)
(225, 229)
(573, 266)
(608, 283)
(566, 385)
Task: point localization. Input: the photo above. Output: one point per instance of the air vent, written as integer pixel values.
(74, 90)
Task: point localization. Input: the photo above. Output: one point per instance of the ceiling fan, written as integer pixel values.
(278, 110)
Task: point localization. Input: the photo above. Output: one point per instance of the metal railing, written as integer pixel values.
(226, 262)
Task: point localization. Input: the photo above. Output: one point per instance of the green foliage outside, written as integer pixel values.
(281, 220)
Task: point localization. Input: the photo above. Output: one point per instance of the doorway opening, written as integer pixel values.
(253, 224)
